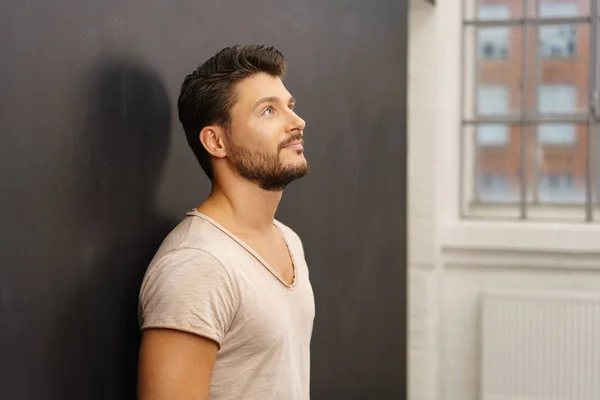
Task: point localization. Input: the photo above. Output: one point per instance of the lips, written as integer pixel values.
(294, 144)
(295, 141)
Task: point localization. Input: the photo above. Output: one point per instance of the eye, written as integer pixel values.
(292, 106)
(268, 111)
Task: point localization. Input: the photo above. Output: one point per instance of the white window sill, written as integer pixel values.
(526, 236)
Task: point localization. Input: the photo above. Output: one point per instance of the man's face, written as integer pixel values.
(265, 141)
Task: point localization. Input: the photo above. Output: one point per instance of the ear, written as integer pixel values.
(211, 138)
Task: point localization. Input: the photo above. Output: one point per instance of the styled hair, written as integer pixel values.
(208, 94)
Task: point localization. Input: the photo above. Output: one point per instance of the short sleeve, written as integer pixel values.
(188, 290)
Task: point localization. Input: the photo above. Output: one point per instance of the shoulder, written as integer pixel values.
(192, 231)
(192, 235)
(182, 269)
(189, 255)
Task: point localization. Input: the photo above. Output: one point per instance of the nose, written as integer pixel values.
(296, 123)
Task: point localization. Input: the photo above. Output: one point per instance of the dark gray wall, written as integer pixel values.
(94, 170)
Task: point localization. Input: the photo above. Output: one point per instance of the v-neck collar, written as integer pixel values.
(196, 213)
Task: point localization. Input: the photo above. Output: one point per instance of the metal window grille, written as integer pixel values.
(558, 31)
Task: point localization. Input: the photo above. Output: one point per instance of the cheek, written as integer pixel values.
(265, 135)
(261, 134)
(247, 135)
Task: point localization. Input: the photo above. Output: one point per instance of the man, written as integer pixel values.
(226, 306)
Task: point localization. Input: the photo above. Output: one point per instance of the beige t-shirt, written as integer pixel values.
(205, 281)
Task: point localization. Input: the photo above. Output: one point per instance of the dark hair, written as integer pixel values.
(208, 94)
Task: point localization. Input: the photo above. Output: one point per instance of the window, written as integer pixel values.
(493, 42)
(529, 148)
(558, 188)
(492, 187)
(492, 135)
(492, 100)
(556, 41)
(556, 134)
(555, 99)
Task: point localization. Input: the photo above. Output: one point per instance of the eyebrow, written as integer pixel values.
(271, 99)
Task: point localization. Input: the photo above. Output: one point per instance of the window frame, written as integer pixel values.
(469, 241)
(529, 120)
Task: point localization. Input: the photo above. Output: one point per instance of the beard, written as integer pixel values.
(266, 169)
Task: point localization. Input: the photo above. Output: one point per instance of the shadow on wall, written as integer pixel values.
(124, 135)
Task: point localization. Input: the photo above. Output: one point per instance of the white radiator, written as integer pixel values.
(540, 346)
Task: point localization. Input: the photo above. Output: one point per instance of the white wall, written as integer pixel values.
(424, 274)
(450, 260)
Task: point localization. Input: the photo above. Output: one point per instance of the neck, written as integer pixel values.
(243, 207)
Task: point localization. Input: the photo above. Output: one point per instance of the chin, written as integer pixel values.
(299, 162)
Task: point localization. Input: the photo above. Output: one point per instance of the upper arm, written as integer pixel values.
(175, 365)
(187, 304)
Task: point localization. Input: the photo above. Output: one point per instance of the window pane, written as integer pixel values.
(494, 10)
(492, 100)
(559, 187)
(492, 135)
(559, 84)
(557, 99)
(558, 174)
(494, 43)
(491, 170)
(563, 8)
(492, 84)
(557, 134)
(557, 41)
(497, 172)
